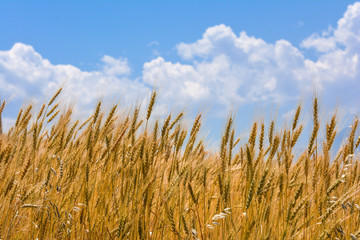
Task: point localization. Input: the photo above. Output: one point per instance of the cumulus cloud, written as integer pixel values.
(25, 73)
(227, 69)
(319, 43)
(113, 66)
(339, 47)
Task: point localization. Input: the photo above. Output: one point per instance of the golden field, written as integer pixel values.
(121, 175)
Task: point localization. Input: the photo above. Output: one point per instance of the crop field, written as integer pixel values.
(124, 174)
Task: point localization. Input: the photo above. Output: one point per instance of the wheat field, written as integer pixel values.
(124, 175)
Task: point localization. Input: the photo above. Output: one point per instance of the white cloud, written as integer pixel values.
(25, 73)
(173, 80)
(226, 69)
(346, 35)
(320, 44)
(115, 66)
(340, 48)
(348, 30)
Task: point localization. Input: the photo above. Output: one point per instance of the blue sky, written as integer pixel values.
(80, 32)
(257, 58)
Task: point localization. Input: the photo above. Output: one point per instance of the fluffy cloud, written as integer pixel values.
(320, 43)
(226, 69)
(24, 73)
(115, 66)
(339, 47)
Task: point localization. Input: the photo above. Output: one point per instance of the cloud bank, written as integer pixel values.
(222, 69)
(241, 69)
(25, 73)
